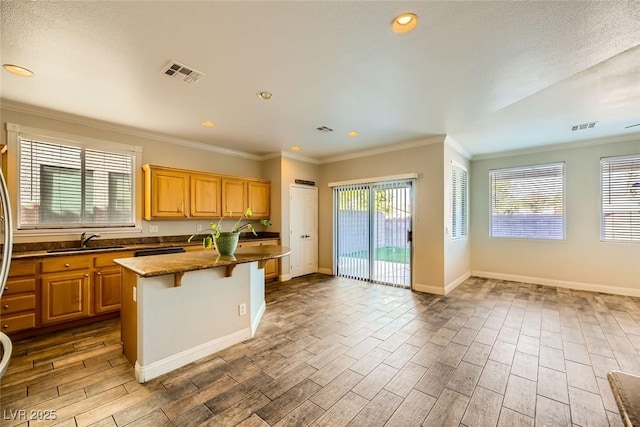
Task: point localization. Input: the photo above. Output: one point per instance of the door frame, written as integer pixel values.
(291, 213)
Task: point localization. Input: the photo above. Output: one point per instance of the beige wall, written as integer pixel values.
(153, 152)
(457, 252)
(427, 162)
(580, 261)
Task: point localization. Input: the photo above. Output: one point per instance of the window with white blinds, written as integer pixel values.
(620, 181)
(69, 185)
(459, 203)
(528, 202)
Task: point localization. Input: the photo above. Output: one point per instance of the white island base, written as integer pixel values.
(166, 326)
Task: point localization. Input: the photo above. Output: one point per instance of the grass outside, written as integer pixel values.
(399, 255)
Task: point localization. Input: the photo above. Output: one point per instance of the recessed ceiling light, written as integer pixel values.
(404, 23)
(265, 95)
(18, 70)
(208, 124)
(352, 133)
(295, 148)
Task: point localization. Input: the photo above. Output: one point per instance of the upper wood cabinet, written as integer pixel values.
(234, 197)
(179, 194)
(166, 193)
(205, 196)
(259, 196)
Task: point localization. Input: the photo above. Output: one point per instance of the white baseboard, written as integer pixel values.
(175, 361)
(284, 277)
(437, 290)
(460, 280)
(581, 286)
(326, 271)
(256, 322)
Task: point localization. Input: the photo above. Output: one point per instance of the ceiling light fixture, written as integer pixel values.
(208, 124)
(352, 133)
(404, 23)
(295, 148)
(18, 70)
(265, 95)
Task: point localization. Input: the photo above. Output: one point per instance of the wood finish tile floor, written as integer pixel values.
(334, 352)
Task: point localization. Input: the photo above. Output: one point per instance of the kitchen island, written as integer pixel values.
(178, 308)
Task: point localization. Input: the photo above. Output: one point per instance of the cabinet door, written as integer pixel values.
(65, 296)
(234, 197)
(169, 194)
(107, 290)
(259, 198)
(205, 196)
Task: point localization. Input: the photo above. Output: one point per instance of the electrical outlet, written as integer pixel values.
(199, 227)
(153, 229)
(242, 309)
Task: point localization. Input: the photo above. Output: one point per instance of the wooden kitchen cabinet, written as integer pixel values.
(205, 196)
(19, 303)
(65, 296)
(166, 194)
(234, 197)
(259, 198)
(180, 194)
(107, 287)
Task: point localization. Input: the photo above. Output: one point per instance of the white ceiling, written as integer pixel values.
(494, 76)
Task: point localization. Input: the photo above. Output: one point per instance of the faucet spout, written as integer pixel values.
(84, 239)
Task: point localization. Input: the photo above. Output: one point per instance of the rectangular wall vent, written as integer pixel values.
(324, 129)
(183, 72)
(584, 126)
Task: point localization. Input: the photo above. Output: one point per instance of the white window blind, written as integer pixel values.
(528, 202)
(459, 195)
(73, 186)
(620, 181)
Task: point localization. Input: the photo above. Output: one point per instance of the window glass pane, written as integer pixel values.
(71, 186)
(458, 202)
(620, 180)
(528, 202)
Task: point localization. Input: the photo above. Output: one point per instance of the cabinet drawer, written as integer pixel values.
(23, 268)
(18, 323)
(106, 260)
(10, 305)
(18, 286)
(262, 243)
(65, 263)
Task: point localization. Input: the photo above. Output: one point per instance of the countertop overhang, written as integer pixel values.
(158, 265)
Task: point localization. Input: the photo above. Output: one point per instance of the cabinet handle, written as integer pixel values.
(5, 306)
(6, 288)
(86, 275)
(98, 273)
(66, 265)
(5, 326)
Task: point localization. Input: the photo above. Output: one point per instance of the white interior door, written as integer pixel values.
(304, 230)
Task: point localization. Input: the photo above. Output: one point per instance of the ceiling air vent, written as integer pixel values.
(584, 126)
(324, 129)
(183, 72)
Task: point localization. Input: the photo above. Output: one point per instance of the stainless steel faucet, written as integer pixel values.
(84, 239)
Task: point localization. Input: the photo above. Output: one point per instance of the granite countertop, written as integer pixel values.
(158, 265)
(40, 250)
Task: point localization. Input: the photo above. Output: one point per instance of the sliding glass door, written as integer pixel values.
(373, 232)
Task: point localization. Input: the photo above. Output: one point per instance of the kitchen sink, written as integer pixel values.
(92, 248)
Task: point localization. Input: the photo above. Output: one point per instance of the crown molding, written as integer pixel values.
(388, 149)
(560, 146)
(459, 148)
(128, 130)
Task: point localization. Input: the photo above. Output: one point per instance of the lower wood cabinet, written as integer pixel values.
(65, 296)
(107, 287)
(19, 306)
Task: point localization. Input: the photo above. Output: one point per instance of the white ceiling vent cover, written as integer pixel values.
(182, 72)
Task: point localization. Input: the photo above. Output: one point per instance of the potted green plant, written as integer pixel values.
(226, 242)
